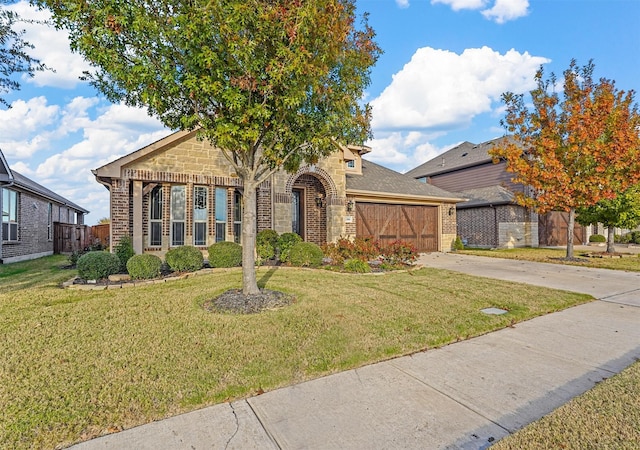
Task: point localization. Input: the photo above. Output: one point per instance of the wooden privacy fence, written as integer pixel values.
(69, 238)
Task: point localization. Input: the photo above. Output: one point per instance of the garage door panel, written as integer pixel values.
(386, 223)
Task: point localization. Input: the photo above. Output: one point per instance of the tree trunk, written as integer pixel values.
(570, 226)
(249, 214)
(610, 240)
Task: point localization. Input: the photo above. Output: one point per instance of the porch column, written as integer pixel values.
(137, 217)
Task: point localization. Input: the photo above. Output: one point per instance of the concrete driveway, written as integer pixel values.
(463, 396)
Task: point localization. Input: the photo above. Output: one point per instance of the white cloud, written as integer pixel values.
(457, 5)
(402, 3)
(505, 10)
(439, 89)
(51, 47)
(403, 151)
(501, 11)
(24, 118)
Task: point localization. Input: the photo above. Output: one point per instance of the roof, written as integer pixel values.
(11, 176)
(376, 178)
(463, 155)
(486, 196)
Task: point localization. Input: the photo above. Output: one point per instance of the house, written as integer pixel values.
(182, 191)
(490, 217)
(30, 213)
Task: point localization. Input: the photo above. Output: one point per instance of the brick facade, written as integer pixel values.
(498, 226)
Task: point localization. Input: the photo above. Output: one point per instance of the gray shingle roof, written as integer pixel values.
(492, 195)
(30, 185)
(463, 155)
(376, 178)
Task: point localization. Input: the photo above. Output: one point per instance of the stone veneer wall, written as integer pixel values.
(448, 232)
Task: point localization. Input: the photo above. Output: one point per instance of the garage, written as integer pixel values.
(417, 224)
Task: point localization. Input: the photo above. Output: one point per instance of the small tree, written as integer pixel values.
(573, 152)
(620, 212)
(271, 83)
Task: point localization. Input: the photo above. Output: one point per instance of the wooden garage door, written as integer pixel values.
(387, 223)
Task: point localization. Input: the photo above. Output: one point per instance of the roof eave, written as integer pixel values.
(425, 198)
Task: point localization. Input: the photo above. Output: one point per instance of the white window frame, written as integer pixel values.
(178, 214)
(200, 213)
(155, 219)
(10, 203)
(221, 214)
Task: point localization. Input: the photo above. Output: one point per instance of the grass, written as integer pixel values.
(548, 255)
(77, 364)
(607, 416)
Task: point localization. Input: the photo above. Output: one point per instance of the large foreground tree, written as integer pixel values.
(623, 211)
(14, 56)
(271, 83)
(573, 151)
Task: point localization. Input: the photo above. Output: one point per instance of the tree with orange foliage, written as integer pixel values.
(572, 152)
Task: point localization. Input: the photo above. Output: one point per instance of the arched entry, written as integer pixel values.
(309, 209)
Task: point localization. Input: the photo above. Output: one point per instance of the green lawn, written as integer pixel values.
(76, 364)
(631, 262)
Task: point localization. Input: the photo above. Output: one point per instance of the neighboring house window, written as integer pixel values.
(422, 179)
(9, 215)
(237, 216)
(50, 222)
(200, 215)
(155, 217)
(351, 164)
(178, 213)
(221, 214)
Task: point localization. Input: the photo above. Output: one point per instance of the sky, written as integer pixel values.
(437, 84)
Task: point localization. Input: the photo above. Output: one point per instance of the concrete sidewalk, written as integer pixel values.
(463, 396)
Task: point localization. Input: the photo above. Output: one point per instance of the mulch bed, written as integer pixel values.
(234, 301)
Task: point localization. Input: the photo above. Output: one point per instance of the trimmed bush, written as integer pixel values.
(96, 265)
(357, 266)
(124, 250)
(225, 254)
(143, 267)
(184, 259)
(266, 243)
(457, 244)
(364, 249)
(399, 253)
(597, 238)
(305, 254)
(286, 241)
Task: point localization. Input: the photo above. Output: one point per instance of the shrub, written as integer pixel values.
(597, 238)
(457, 244)
(225, 254)
(143, 267)
(285, 242)
(305, 254)
(364, 249)
(124, 250)
(96, 265)
(266, 243)
(184, 259)
(357, 266)
(74, 256)
(399, 252)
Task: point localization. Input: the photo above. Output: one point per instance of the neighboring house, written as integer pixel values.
(490, 217)
(29, 215)
(182, 191)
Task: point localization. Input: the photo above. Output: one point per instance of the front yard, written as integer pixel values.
(77, 364)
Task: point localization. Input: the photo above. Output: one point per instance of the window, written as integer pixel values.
(50, 222)
(351, 164)
(221, 214)
(9, 215)
(155, 217)
(237, 216)
(178, 210)
(200, 215)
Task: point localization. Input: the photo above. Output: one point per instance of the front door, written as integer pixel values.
(297, 212)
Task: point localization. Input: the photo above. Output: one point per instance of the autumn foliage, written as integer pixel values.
(572, 151)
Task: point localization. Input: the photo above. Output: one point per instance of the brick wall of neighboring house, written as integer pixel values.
(499, 226)
(35, 238)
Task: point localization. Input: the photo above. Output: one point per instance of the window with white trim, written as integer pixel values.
(9, 215)
(178, 214)
(200, 194)
(155, 217)
(237, 216)
(221, 214)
